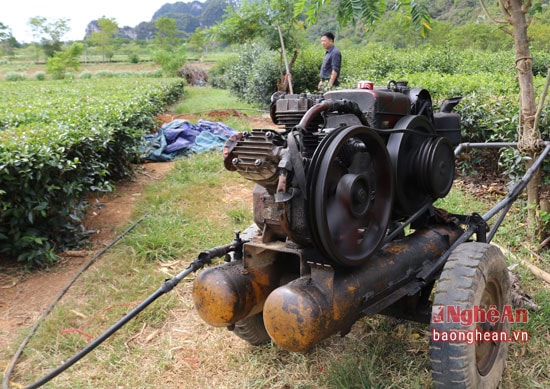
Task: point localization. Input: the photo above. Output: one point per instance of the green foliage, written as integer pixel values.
(49, 33)
(166, 34)
(305, 73)
(541, 62)
(198, 41)
(63, 60)
(40, 76)
(5, 32)
(261, 79)
(133, 58)
(105, 36)
(49, 30)
(85, 75)
(539, 33)
(171, 60)
(545, 218)
(217, 75)
(60, 141)
(261, 21)
(367, 12)
(254, 74)
(15, 76)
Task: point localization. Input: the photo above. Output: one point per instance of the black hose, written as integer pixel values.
(166, 287)
(9, 369)
(203, 258)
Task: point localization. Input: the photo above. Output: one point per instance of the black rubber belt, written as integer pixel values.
(297, 163)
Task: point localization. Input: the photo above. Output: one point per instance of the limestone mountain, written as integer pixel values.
(188, 17)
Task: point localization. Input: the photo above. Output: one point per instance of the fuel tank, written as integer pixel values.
(311, 308)
(230, 292)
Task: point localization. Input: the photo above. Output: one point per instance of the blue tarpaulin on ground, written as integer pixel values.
(181, 137)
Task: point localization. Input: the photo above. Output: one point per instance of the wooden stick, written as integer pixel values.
(535, 270)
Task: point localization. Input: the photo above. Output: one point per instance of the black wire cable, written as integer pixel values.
(11, 366)
(166, 287)
(202, 259)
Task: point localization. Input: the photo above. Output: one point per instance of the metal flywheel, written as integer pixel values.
(350, 194)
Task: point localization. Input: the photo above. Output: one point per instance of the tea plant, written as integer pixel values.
(60, 141)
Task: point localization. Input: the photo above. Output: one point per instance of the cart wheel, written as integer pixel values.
(474, 277)
(252, 330)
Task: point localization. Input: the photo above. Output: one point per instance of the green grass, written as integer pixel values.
(188, 204)
(217, 105)
(205, 99)
(196, 206)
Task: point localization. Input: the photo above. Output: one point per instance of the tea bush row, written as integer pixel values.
(85, 74)
(60, 140)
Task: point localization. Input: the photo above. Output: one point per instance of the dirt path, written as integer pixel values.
(25, 296)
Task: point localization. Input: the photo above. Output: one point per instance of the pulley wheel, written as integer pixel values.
(436, 164)
(404, 148)
(350, 195)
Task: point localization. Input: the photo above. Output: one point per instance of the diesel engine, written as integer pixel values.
(346, 167)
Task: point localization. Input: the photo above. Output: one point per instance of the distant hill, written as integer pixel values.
(188, 17)
(455, 12)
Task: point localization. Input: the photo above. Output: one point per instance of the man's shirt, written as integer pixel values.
(331, 62)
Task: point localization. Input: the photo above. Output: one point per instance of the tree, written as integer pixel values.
(6, 39)
(166, 33)
(241, 24)
(49, 33)
(103, 38)
(256, 20)
(518, 15)
(170, 53)
(63, 60)
(5, 32)
(198, 42)
(265, 20)
(171, 61)
(366, 11)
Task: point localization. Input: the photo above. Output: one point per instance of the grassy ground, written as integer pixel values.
(201, 100)
(198, 206)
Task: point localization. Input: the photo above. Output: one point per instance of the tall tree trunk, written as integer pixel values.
(528, 136)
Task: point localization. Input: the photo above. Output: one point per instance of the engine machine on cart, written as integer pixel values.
(345, 227)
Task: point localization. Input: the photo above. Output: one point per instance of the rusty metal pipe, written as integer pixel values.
(342, 106)
(312, 113)
(305, 311)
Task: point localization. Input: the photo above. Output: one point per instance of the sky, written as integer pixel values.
(16, 14)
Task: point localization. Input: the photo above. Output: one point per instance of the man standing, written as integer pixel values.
(330, 69)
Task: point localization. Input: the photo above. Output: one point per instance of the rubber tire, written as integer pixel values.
(468, 271)
(252, 329)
